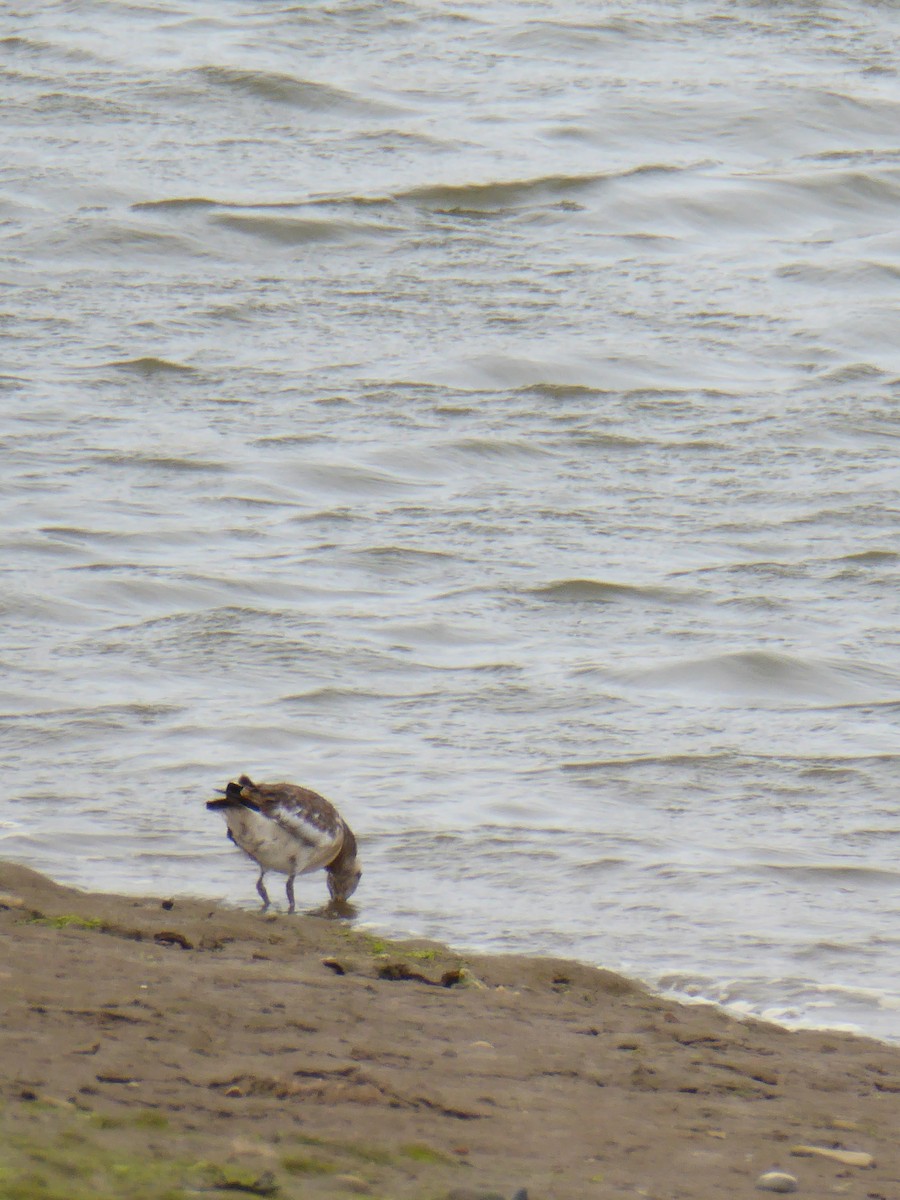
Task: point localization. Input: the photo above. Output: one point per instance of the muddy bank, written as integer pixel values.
(165, 1048)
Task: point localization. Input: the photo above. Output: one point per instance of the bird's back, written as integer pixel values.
(282, 826)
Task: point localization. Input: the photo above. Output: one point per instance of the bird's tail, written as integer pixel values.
(233, 796)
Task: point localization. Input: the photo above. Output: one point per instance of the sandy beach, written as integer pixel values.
(164, 1047)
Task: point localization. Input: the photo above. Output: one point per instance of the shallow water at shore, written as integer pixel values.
(485, 415)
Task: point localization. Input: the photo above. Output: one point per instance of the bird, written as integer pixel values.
(292, 830)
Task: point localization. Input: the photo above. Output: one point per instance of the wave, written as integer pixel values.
(185, 203)
(769, 673)
(180, 202)
(114, 238)
(638, 762)
(567, 37)
(494, 447)
(160, 462)
(144, 712)
(598, 591)
(351, 479)
(861, 273)
(563, 376)
(282, 222)
(855, 372)
(328, 694)
(497, 194)
(607, 441)
(149, 365)
(395, 554)
(873, 557)
(279, 88)
(295, 231)
(35, 48)
(77, 534)
(805, 1004)
(847, 766)
(846, 874)
(477, 197)
(505, 194)
(848, 190)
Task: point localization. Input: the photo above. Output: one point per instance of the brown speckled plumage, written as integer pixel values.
(291, 829)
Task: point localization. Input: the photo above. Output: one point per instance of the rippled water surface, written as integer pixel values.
(487, 415)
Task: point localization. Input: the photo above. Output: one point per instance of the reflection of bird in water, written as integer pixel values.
(292, 830)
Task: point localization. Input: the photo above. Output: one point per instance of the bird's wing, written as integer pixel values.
(301, 812)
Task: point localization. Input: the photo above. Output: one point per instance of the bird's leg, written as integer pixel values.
(289, 888)
(261, 888)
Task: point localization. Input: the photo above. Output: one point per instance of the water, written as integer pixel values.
(485, 414)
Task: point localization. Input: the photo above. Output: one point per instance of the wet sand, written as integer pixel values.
(169, 1047)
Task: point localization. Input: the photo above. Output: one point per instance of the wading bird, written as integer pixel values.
(290, 829)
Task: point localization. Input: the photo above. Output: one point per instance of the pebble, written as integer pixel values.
(777, 1181)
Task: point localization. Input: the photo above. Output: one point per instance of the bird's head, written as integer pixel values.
(345, 871)
(342, 884)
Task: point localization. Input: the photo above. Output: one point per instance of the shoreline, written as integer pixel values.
(158, 1047)
(769, 1010)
